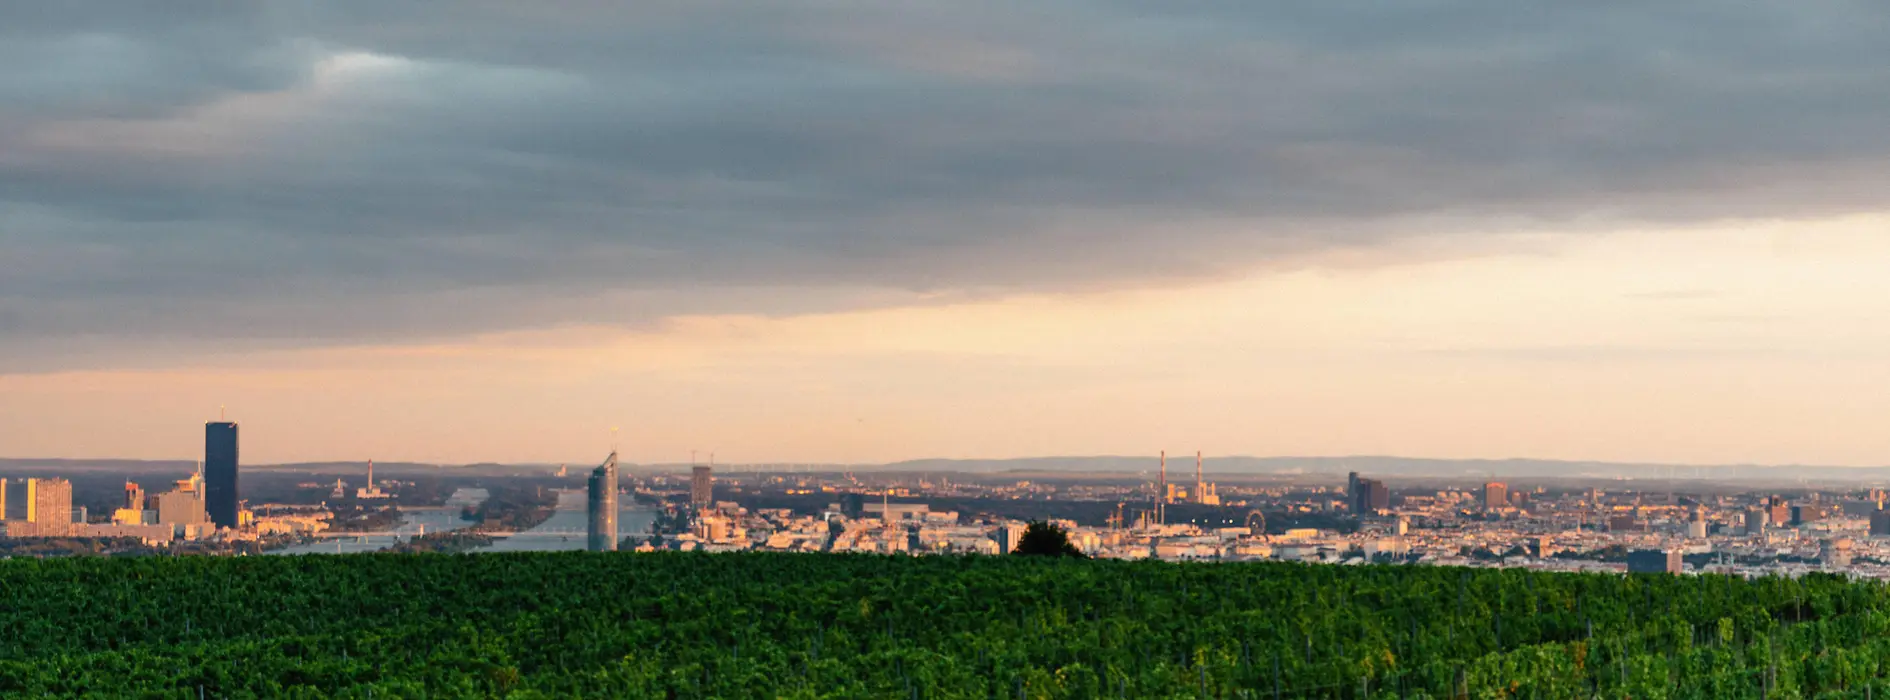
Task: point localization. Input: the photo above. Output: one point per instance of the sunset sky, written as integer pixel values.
(863, 232)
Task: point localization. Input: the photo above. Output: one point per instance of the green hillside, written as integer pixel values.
(798, 625)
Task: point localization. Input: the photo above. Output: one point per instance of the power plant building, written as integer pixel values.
(602, 506)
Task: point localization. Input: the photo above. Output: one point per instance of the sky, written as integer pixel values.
(861, 231)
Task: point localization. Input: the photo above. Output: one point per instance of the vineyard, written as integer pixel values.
(806, 626)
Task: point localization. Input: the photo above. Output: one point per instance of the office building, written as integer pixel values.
(1778, 512)
(702, 487)
(43, 509)
(181, 507)
(1008, 536)
(220, 463)
(1495, 495)
(1654, 561)
(12, 499)
(1369, 495)
(1806, 514)
(1623, 523)
(603, 506)
(852, 504)
(49, 503)
(1758, 518)
(1880, 523)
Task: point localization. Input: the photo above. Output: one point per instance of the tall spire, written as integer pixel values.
(1161, 493)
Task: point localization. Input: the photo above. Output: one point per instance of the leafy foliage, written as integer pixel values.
(449, 542)
(751, 625)
(1042, 539)
(511, 507)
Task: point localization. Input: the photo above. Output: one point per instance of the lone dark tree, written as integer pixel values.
(1042, 539)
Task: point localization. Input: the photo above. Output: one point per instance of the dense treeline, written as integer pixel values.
(449, 542)
(513, 507)
(798, 625)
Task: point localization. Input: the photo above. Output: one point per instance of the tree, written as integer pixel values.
(1045, 540)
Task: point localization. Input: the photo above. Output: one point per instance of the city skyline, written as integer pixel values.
(863, 233)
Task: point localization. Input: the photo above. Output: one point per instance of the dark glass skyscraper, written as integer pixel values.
(219, 473)
(603, 506)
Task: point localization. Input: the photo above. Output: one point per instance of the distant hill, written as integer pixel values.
(1382, 466)
(1330, 467)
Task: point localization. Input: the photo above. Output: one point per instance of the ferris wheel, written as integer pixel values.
(1257, 523)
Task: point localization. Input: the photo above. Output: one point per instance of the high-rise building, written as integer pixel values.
(50, 503)
(1880, 523)
(220, 461)
(1008, 536)
(39, 508)
(1696, 523)
(180, 507)
(1495, 495)
(12, 500)
(1368, 495)
(603, 506)
(702, 486)
(1778, 511)
(1806, 514)
(1758, 518)
(134, 496)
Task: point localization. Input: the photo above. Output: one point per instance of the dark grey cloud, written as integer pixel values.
(305, 173)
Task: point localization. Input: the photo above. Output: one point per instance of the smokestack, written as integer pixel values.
(1199, 484)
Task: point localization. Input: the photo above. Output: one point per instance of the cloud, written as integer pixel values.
(360, 171)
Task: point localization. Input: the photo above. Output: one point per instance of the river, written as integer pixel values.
(564, 530)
